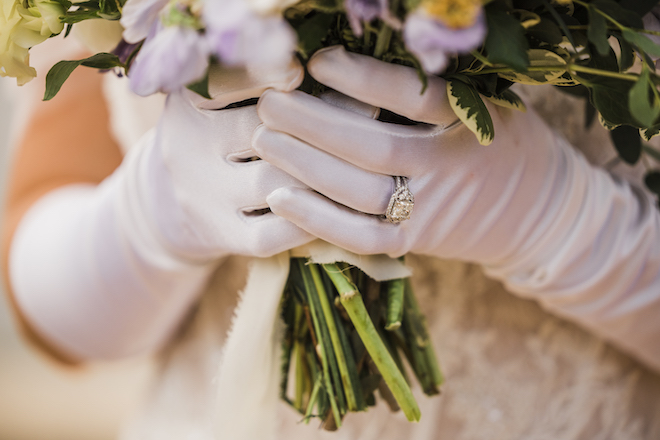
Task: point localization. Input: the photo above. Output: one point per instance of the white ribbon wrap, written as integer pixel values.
(247, 390)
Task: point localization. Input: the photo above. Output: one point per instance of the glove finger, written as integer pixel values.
(269, 234)
(354, 231)
(212, 135)
(385, 85)
(331, 176)
(372, 145)
(232, 85)
(251, 182)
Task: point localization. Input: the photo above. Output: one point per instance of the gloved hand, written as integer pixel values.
(120, 264)
(528, 206)
(468, 197)
(205, 188)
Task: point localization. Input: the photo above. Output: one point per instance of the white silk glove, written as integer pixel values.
(528, 206)
(110, 271)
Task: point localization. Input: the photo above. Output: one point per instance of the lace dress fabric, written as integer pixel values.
(513, 371)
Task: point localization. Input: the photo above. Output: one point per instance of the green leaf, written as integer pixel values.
(621, 15)
(606, 124)
(508, 99)
(609, 96)
(642, 42)
(74, 17)
(626, 54)
(539, 57)
(641, 7)
(60, 72)
(527, 19)
(66, 4)
(201, 87)
(547, 31)
(560, 22)
(312, 31)
(627, 143)
(102, 60)
(643, 111)
(505, 41)
(652, 181)
(471, 110)
(649, 134)
(597, 32)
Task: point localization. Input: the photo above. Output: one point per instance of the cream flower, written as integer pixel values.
(23, 25)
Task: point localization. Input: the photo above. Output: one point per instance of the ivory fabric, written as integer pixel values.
(514, 371)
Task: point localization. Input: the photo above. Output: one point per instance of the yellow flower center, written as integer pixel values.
(455, 14)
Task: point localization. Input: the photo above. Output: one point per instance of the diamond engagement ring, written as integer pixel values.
(401, 203)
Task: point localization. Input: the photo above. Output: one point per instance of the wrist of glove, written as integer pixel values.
(528, 206)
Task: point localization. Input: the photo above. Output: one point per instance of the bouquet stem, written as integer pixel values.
(352, 301)
(342, 346)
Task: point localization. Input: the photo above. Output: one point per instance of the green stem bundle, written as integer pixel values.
(341, 346)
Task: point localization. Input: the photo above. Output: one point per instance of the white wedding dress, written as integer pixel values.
(512, 370)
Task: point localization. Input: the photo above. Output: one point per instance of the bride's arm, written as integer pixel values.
(52, 153)
(104, 264)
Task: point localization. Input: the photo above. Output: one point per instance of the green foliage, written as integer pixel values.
(626, 54)
(313, 31)
(643, 100)
(609, 96)
(61, 71)
(506, 42)
(642, 42)
(627, 143)
(649, 134)
(597, 32)
(622, 15)
(552, 68)
(201, 87)
(471, 110)
(560, 21)
(508, 99)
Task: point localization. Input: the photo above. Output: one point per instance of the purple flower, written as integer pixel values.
(240, 37)
(433, 42)
(358, 11)
(138, 17)
(123, 50)
(171, 58)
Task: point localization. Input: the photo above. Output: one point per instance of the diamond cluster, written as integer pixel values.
(401, 203)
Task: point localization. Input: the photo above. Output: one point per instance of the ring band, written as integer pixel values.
(401, 203)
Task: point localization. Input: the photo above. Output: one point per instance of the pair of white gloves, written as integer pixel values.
(120, 264)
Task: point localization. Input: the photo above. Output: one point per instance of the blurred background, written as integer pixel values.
(40, 400)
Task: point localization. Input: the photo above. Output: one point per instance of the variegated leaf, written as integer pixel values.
(606, 124)
(508, 99)
(649, 133)
(539, 58)
(471, 110)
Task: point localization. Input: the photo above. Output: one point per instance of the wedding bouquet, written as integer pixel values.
(346, 335)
